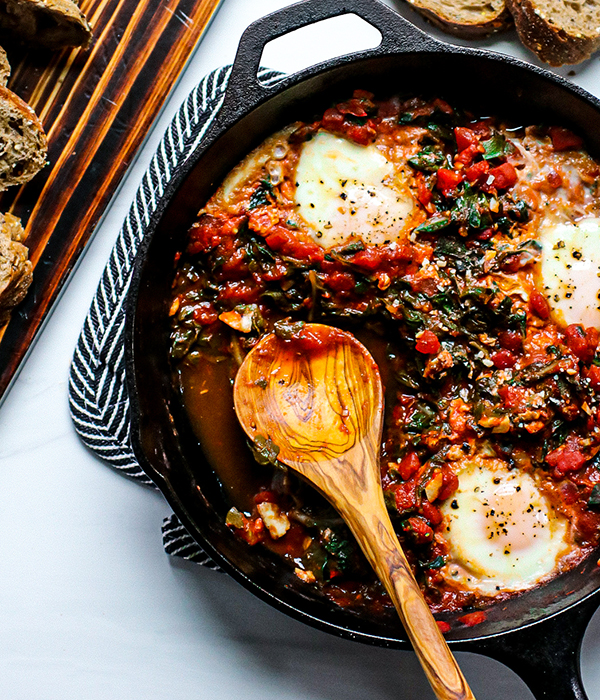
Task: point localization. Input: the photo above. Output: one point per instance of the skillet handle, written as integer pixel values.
(545, 655)
(398, 35)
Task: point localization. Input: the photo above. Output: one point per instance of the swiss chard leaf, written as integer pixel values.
(496, 147)
(262, 196)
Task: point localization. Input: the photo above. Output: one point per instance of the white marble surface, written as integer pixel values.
(90, 606)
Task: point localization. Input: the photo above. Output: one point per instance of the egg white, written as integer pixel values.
(570, 270)
(503, 532)
(345, 190)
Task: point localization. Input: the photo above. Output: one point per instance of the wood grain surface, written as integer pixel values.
(96, 105)
(319, 399)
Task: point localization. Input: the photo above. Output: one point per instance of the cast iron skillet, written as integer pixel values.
(538, 634)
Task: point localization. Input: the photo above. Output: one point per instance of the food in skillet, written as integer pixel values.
(462, 250)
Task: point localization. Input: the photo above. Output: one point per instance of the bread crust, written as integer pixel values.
(553, 44)
(13, 99)
(25, 143)
(52, 24)
(15, 266)
(463, 28)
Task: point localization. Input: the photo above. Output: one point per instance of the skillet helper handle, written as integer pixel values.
(546, 655)
(370, 522)
(398, 35)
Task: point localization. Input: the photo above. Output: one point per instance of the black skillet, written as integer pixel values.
(539, 634)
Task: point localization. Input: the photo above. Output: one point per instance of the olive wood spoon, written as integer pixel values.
(318, 397)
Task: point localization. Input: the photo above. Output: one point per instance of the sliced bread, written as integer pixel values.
(23, 144)
(4, 67)
(558, 31)
(470, 19)
(52, 24)
(15, 267)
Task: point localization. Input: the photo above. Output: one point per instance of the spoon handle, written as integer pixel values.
(371, 526)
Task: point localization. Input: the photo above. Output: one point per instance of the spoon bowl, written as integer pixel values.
(316, 395)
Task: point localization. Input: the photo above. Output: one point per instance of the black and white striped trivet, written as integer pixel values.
(97, 389)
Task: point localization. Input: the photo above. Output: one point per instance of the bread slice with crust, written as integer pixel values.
(52, 24)
(15, 266)
(23, 144)
(558, 31)
(4, 67)
(470, 19)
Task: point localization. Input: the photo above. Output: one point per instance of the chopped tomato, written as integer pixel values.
(513, 396)
(409, 465)
(482, 128)
(240, 292)
(504, 176)
(419, 529)
(593, 375)
(340, 281)
(363, 134)
(431, 513)
(332, 119)
(405, 497)
(370, 258)
(287, 242)
(424, 194)
(449, 484)
(477, 172)
(467, 156)
(205, 234)
(465, 138)
(582, 343)
(566, 458)
(474, 618)
(564, 139)
(511, 340)
(444, 626)
(428, 343)
(503, 359)
(448, 180)
(205, 313)
(539, 305)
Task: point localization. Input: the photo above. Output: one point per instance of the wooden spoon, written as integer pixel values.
(318, 398)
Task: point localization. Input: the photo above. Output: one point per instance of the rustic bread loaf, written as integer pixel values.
(15, 267)
(52, 24)
(466, 18)
(23, 144)
(558, 31)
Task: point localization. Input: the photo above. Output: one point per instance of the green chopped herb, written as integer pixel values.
(436, 223)
(428, 160)
(496, 147)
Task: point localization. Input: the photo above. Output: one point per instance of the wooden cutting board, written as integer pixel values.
(96, 106)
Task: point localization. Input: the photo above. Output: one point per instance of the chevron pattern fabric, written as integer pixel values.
(98, 397)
